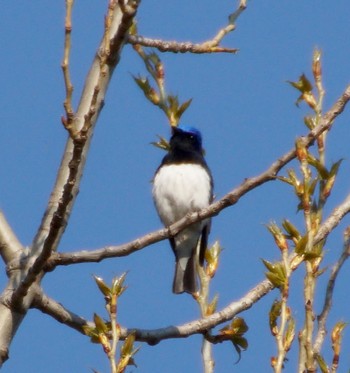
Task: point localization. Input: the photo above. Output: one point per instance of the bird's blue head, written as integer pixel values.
(188, 135)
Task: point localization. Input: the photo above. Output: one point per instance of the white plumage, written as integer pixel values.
(179, 189)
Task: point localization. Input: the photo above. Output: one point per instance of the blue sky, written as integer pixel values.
(246, 112)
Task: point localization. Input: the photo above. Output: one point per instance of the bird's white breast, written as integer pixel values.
(179, 190)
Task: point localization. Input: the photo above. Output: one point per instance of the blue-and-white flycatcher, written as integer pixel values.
(183, 184)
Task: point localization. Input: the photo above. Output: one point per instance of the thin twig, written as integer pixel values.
(176, 46)
(67, 122)
(209, 46)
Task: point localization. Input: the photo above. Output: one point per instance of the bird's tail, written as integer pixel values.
(185, 275)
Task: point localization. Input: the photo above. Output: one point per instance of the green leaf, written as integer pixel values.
(105, 290)
(211, 307)
(127, 352)
(302, 85)
(183, 107)
(275, 279)
(153, 58)
(310, 122)
(322, 364)
(270, 266)
(331, 179)
(101, 326)
(162, 143)
(285, 180)
(241, 342)
(118, 287)
(274, 314)
(290, 334)
(335, 167)
(321, 169)
(276, 273)
(301, 245)
(173, 103)
(234, 332)
(92, 333)
(143, 83)
(239, 326)
(291, 229)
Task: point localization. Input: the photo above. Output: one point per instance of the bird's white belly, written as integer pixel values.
(179, 190)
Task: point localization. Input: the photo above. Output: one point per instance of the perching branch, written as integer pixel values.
(60, 313)
(215, 208)
(209, 46)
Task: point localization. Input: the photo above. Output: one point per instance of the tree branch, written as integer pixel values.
(56, 310)
(178, 47)
(333, 220)
(60, 313)
(209, 46)
(21, 288)
(154, 336)
(214, 209)
(69, 176)
(10, 247)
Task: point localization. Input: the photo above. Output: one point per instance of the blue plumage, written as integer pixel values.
(183, 184)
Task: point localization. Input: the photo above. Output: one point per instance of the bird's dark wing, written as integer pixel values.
(204, 242)
(172, 244)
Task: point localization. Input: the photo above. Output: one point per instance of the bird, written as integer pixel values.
(183, 184)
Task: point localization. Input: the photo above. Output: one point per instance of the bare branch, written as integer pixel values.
(73, 162)
(20, 290)
(49, 306)
(204, 324)
(215, 208)
(209, 46)
(154, 336)
(57, 311)
(10, 247)
(68, 121)
(178, 47)
(333, 220)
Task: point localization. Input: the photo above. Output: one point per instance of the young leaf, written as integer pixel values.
(105, 290)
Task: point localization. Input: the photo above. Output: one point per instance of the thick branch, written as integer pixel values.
(214, 209)
(67, 183)
(20, 290)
